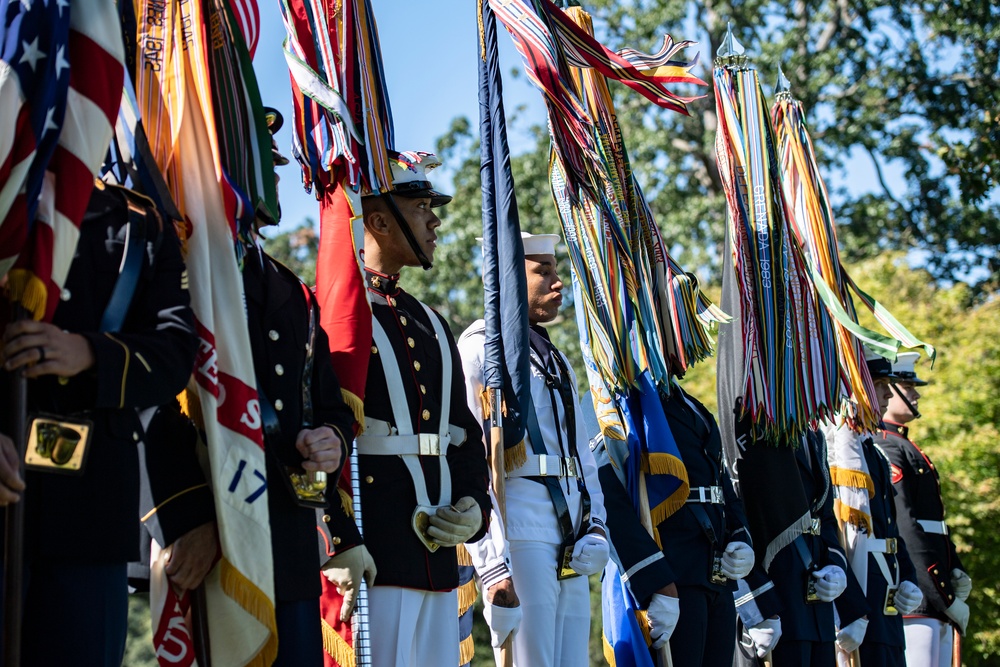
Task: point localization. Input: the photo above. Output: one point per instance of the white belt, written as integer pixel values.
(706, 494)
(934, 527)
(380, 439)
(546, 465)
(886, 546)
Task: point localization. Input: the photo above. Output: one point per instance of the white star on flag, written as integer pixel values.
(32, 54)
(61, 62)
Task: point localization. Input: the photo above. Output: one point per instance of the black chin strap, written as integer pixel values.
(909, 406)
(407, 232)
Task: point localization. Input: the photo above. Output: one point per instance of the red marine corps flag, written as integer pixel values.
(342, 130)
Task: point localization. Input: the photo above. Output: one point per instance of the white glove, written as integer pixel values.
(831, 581)
(662, 615)
(737, 560)
(345, 571)
(908, 597)
(451, 526)
(959, 613)
(590, 554)
(962, 583)
(850, 637)
(765, 635)
(502, 621)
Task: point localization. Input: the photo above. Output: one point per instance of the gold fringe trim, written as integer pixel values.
(463, 555)
(191, 405)
(609, 653)
(246, 594)
(854, 478)
(643, 621)
(346, 502)
(466, 651)
(659, 463)
(357, 406)
(467, 594)
(515, 457)
(336, 647)
(484, 402)
(27, 289)
(847, 514)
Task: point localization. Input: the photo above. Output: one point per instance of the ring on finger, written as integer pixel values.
(41, 354)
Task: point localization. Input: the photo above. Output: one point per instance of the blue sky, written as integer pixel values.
(429, 50)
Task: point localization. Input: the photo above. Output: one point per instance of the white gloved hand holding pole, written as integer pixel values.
(831, 581)
(662, 614)
(737, 560)
(765, 635)
(345, 571)
(451, 526)
(849, 637)
(908, 597)
(590, 554)
(962, 583)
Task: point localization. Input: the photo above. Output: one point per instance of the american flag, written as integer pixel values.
(248, 18)
(61, 74)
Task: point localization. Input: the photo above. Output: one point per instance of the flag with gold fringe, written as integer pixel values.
(174, 93)
(61, 70)
(641, 318)
(342, 132)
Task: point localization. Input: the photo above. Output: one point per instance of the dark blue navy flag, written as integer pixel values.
(506, 363)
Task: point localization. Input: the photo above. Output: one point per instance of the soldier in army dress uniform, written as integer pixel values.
(122, 338)
(920, 511)
(422, 463)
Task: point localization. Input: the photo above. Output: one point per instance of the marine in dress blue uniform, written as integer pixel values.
(921, 512)
(422, 463)
(81, 530)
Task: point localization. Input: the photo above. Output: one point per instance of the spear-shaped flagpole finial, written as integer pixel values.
(730, 47)
(784, 85)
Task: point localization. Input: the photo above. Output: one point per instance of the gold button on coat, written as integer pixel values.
(279, 369)
(336, 541)
(273, 335)
(411, 342)
(402, 320)
(426, 414)
(416, 365)
(374, 350)
(279, 405)
(423, 389)
(369, 479)
(326, 518)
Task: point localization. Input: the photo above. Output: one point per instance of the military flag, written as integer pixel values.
(174, 97)
(813, 223)
(342, 134)
(641, 318)
(61, 70)
(506, 374)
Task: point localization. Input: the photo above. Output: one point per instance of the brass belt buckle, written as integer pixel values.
(814, 526)
(717, 495)
(58, 444)
(890, 545)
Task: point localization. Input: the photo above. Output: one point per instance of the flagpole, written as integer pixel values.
(499, 476)
(199, 626)
(13, 557)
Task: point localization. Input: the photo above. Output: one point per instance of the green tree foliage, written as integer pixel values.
(906, 87)
(296, 248)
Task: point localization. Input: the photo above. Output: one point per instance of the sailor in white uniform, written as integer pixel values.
(554, 536)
